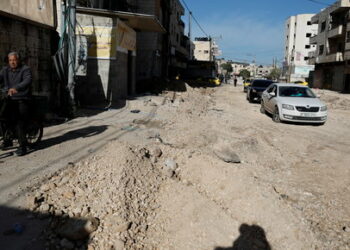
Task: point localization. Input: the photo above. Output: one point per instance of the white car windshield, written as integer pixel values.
(296, 92)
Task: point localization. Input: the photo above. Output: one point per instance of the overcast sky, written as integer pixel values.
(250, 28)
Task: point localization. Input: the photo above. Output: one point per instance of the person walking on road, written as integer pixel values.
(235, 81)
(16, 81)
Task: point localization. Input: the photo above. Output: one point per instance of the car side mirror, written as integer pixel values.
(273, 94)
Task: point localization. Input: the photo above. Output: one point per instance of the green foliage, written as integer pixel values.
(227, 67)
(275, 74)
(244, 73)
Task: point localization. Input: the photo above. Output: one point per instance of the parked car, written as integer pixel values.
(246, 84)
(295, 103)
(256, 88)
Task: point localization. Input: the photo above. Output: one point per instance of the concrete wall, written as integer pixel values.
(150, 54)
(36, 45)
(106, 79)
(42, 11)
(331, 77)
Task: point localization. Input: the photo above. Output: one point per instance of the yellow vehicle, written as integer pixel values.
(246, 84)
(304, 83)
(215, 81)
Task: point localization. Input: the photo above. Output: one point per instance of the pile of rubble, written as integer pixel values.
(104, 202)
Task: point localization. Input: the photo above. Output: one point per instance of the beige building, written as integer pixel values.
(202, 49)
(298, 30)
(333, 47)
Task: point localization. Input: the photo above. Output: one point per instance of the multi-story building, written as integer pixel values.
(333, 47)
(203, 49)
(179, 42)
(298, 30)
(238, 66)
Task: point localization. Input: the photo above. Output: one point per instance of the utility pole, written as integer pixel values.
(71, 51)
(190, 26)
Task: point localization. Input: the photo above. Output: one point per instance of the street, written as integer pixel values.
(159, 170)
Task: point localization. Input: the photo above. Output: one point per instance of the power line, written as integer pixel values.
(319, 2)
(195, 19)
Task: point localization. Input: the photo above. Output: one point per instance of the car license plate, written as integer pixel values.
(307, 114)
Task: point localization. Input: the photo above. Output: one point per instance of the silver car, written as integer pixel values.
(294, 103)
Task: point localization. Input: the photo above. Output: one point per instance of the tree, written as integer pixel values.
(274, 74)
(244, 73)
(227, 67)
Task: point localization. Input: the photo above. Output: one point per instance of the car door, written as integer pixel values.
(270, 99)
(265, 95)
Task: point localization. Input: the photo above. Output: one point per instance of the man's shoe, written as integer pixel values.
(21, 151)
(6, 144)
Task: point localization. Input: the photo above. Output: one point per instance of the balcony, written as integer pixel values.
(313, 39)
(336, 32)
(335, 57)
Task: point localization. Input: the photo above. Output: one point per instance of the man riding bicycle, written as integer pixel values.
(16, 81)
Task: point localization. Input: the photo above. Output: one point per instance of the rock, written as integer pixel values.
(45, 187)
(45, 208)
(78, 229)
(66, 244)
(170, 164)
(169, 172)
(156, 152)
(68, 195)
(123, 227)
(118, 244)
(32, 202)
(227, 155)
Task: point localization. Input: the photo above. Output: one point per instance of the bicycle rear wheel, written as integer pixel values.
(34, 133)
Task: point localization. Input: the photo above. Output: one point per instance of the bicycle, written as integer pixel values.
(35, 127)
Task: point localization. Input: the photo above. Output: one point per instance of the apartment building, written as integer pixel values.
(179, 42)
(205, 49)
(202, 49)
(332, 55)
(298, 30)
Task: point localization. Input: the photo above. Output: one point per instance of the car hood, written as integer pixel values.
(301, 101)
(259, 89)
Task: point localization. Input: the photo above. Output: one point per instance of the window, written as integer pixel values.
(309, 23)
(306, 58)
(323, 26)
(308, 34)
(206, 51)
(321, 49)
(271, 89)
(307, 46)
(292, 59)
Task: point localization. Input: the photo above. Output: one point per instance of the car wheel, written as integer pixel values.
(250, 99)
(262, 108)
(276, 116)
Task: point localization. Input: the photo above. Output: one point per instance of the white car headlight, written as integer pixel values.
(287, 106)
(323, 108)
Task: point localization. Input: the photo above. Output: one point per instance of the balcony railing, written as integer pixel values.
(335, 57)
(335, 32)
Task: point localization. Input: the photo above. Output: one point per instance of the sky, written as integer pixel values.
(250, 29)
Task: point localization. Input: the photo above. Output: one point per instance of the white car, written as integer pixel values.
(294, 103)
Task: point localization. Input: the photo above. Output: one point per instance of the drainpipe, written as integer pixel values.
(71, 51)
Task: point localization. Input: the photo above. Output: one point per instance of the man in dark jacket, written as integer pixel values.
(16, 80)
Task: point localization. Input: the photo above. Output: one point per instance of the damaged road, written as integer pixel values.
(200, 169)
